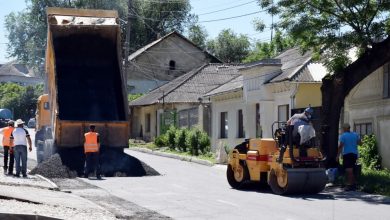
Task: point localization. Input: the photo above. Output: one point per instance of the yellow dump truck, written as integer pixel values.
(84, 85)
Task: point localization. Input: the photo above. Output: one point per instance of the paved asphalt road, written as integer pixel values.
(191, 191)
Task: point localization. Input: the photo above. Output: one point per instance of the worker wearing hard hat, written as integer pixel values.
(20, 138)
(8, 147)
(91, 150)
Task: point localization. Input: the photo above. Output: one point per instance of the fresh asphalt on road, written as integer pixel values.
(186, 190)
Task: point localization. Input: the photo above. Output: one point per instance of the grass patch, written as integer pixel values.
(142, 144)
(375, 181)
(150, 145)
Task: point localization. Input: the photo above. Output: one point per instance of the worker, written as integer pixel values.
(19, 138)
(348, 148)
(91, 150)
(8, 147)
(300, 119)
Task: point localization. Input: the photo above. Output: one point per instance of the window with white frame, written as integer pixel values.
(363, 128)
(224, 125)
(240, 124)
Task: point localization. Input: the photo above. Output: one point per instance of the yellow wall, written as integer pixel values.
(308, 94)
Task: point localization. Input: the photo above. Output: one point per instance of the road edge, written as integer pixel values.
(173, 156)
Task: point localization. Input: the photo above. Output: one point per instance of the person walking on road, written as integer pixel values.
(348, 147)
(91, 150)
(20, 138)
(8, 148)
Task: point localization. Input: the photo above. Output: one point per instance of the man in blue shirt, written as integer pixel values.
(348, 147)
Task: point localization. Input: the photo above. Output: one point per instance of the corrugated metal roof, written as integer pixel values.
(192, 85)
(293, 62)
(15, 69)
(235, 84)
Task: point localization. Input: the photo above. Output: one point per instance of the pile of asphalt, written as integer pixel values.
(53, 168)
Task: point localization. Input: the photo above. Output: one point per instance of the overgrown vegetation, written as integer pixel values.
(132, 97)
(373, 178)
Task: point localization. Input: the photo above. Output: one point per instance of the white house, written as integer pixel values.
(266, 91)
(367, 109)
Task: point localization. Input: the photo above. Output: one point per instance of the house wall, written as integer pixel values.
(230, 103)
(365, 104)
(308, 94)
(138, 118)
(151, 68)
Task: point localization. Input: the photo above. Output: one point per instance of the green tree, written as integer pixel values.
(331, 28)
(264, 50)
(198, 35)
(27, 30)
(229, 47)
(20, 100)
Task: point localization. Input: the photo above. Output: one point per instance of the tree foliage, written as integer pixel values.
(229, 47)
(20, 100)
(27, 30)
(198, 35)
(331, 27)
(265, 50)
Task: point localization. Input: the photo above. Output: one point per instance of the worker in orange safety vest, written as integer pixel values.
(91, 150)
(8, 147)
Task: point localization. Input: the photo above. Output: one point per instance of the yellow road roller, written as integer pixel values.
(286, 164)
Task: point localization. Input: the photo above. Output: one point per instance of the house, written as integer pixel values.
(162, 61)
(367, 109)
(265, 91)
(18, 73)
(179, 102)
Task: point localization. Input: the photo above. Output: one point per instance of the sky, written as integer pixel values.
(206, 10)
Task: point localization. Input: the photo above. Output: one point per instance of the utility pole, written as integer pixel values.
(130, 17)
(272, 20)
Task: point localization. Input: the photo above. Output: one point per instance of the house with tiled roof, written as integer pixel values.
(180, 101)
(164, 60)
(18, 73)
(265, 91)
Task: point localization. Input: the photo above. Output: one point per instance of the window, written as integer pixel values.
(188, 118)
(147, 123)
(283, 112)
(46, 105)
(172, 65)
(386, 80)
(258, 124)
(241, 133)
(363, 128)
(224, 124)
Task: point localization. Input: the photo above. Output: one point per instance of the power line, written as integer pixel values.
(228, 18)
(236, 6)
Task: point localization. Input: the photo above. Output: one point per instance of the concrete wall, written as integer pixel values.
(308, 94)
(365, 104)
(153, 64)
(230, 103)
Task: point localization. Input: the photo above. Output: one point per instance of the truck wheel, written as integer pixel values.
(238, 176)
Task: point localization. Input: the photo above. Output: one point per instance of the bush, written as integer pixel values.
(193, 141)
(171, 133)
(161, 141)
(181, 135)
(204, 142)
(368, 153)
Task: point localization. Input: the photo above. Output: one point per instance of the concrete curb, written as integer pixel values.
(174, 156)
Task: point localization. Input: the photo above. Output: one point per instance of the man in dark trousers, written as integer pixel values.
(348, 147)
(20, 138)
(91, 150)
(8, 147)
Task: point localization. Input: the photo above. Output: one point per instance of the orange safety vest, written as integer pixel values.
(91, 145)
(7, 136)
